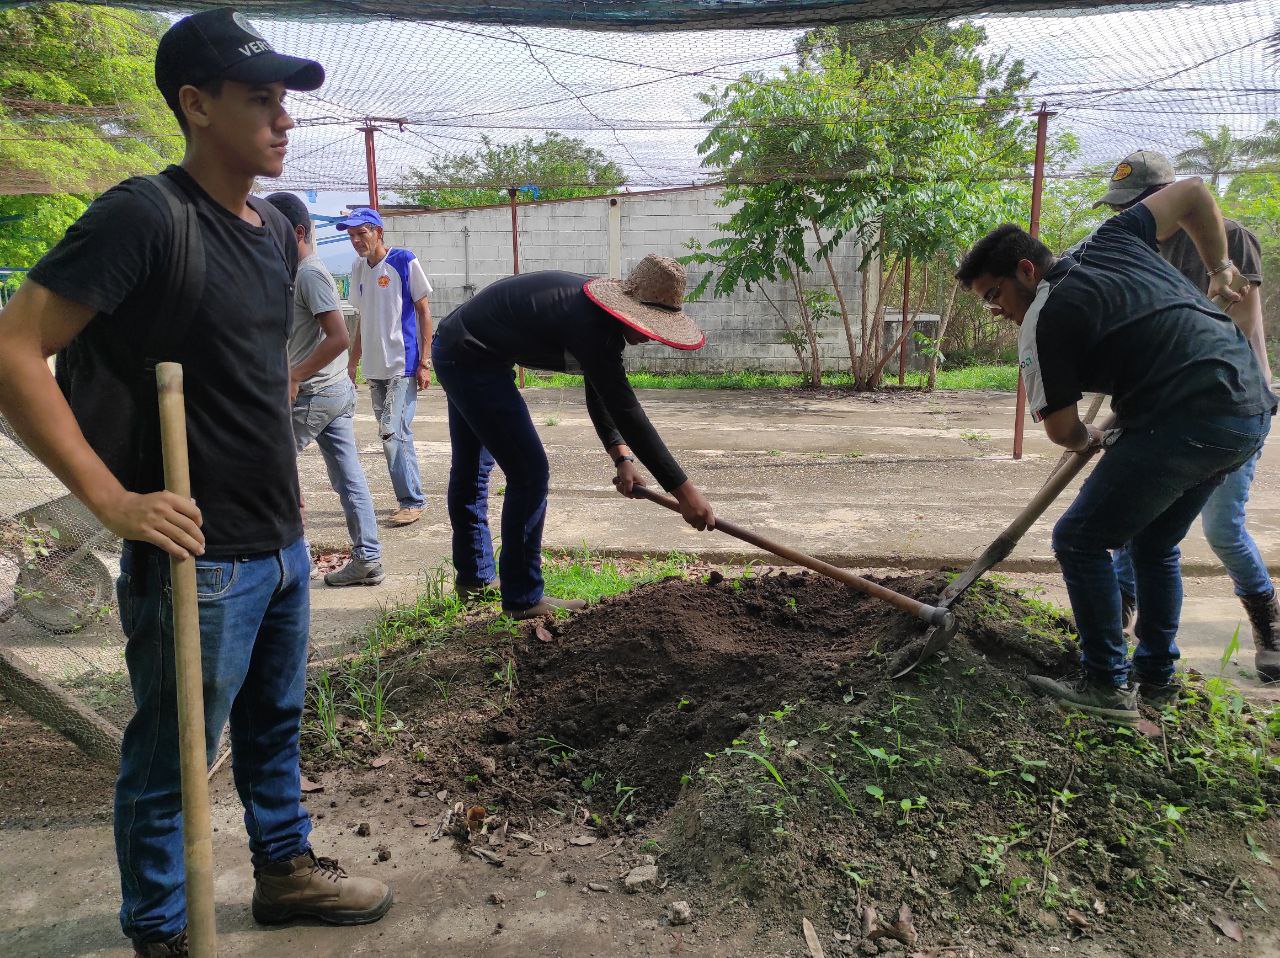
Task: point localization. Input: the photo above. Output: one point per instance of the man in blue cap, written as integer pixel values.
(103, 295)
(389, 289)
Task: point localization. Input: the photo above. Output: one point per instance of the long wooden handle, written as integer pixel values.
(197, 829)
(926, 613)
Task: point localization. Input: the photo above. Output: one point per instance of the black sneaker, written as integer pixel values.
(1160, 694)
(1082, 690)
(175, 946)
(479, 592)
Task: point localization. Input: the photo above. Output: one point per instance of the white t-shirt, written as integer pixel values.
(384, 296)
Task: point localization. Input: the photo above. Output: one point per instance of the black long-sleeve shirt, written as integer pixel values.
(543, 320)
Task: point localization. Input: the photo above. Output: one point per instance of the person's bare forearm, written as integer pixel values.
(423, 309)
(1191, 206)
(1247, 315)
(333, 345)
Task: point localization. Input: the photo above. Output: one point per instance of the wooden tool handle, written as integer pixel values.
(926, 613)
(197, 829)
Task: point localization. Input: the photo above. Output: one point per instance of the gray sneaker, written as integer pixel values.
(1082, 690)
(356, 572)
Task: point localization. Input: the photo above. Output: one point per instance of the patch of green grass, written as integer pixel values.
(968, 377)
(580, 575)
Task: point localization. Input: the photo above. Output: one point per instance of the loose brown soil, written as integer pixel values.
(45, 780)
(745, 731)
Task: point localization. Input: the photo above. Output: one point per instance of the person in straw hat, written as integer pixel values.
(563, 322)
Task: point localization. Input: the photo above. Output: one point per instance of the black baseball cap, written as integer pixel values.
(223, 44)
(294, 210)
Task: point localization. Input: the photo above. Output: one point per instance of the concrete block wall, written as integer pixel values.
(464, 250)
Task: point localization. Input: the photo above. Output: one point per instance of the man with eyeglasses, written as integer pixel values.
(1191, 401)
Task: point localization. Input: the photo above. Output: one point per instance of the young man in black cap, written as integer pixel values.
(1191, 403)
(1139, 175)
(562, 322)
(102, 290)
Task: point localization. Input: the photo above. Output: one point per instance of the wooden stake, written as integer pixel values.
(197, 829)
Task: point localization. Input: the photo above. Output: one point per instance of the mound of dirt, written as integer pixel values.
(749, 727)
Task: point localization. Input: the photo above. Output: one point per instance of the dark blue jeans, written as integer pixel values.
(254, 622)
(488, 421)
(1224, 522)
(1145, 490)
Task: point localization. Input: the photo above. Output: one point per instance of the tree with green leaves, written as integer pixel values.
(902, 158)
(1222, 151)
(79, 111)
(559, 166)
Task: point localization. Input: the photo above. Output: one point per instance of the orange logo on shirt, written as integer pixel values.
(384, 281)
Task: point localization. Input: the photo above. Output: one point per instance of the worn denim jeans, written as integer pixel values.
(394, 402)
(327, 417)
(1146, 490)
(254, 621)
(1223, 522)
(488, 421)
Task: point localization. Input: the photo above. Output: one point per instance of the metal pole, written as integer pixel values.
(906, 322)
(1037, 191)
(371, 164)
(515, 254)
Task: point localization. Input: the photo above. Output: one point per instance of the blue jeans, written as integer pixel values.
(394, 402)
(1146, 490)
(254, 622)
(1223, 521)
(488, 421)
(327, 416)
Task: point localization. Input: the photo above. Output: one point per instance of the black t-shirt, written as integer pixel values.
(1112, 316)
(1242, 247)
(543, 320)
(235, 363)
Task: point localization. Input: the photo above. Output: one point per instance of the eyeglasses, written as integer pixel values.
(990, 296)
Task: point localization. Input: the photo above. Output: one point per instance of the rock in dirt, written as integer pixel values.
(497, 898)
(384, 853)
(681, 912)
(487, 766)
(598, 886)
(363, 830)
(640, 877)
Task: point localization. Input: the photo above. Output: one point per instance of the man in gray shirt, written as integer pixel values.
(324, 399)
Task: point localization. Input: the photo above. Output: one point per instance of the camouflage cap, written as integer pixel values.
(1134, 175)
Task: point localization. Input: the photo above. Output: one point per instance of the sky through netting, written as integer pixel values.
(1120, 79)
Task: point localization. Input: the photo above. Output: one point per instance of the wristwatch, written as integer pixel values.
(619, 460)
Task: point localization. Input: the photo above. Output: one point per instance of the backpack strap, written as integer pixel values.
(185, 275)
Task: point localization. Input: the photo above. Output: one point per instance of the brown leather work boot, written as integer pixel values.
(1264, 617)
(310, 887)
(177, 945)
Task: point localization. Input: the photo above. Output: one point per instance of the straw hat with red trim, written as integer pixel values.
(650, 301)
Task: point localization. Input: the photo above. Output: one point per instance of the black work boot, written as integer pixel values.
(1092, 694)
(1264, 617)
(177, 945)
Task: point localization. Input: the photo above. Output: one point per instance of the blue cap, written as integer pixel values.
(364, 216)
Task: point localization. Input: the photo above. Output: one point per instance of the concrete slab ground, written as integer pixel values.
(870, 482)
